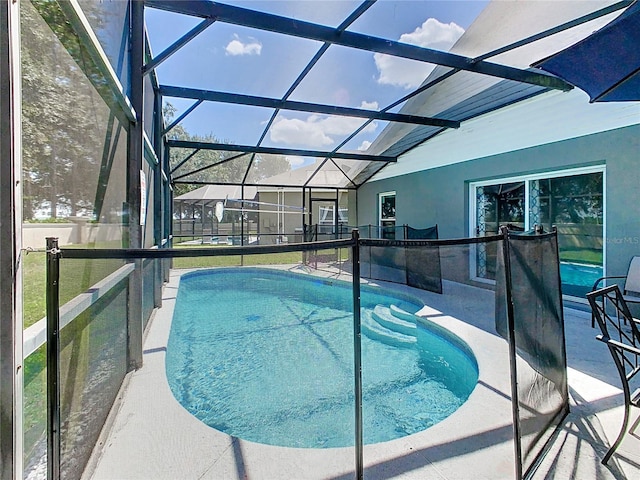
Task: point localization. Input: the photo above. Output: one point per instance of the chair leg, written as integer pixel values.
(623, 430)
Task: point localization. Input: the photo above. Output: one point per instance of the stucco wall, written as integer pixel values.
(34, 234)
(440, 195)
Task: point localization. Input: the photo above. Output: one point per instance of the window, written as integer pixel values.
(571, 201)
(387, 215)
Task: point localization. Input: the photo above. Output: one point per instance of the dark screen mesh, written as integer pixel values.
(430, 233)
(311, 233)
(458, 271)
(93, 363)
(384, 263)
(35, 411)
(150, 218)
(423, 268)
(416, 265)
(539, 339)
(149, 106)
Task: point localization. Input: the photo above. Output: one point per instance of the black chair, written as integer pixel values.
(620, 333)
(631, 287)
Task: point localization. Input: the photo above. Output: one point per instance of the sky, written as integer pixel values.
(232, 58)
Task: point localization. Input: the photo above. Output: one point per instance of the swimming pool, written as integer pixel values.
(267, 356)
(578, 279)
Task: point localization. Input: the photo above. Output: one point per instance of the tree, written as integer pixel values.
(65, 120)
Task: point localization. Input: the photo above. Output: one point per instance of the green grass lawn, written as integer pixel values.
(587, 256)
(285, 258)
(76, 276)
(33, 287)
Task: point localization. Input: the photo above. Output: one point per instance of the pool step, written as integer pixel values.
(400, 313)
(372, 329)
(395, 319)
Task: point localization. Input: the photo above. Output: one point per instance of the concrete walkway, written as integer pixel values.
(151, 436)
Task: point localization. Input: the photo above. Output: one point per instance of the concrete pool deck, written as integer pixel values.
(151, 436)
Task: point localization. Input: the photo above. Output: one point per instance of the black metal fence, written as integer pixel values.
(192, 231)
(512, 295)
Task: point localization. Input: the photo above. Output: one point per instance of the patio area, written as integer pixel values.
(150, 435)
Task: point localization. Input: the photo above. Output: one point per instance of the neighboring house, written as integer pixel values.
(551, 159)
(195, 213)
(281, 208)
(271, 214)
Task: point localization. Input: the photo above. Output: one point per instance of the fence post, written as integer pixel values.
(515, 408)
(53, 359)
(135, 165)
(357, 354)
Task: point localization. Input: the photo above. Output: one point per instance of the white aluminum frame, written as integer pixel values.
(566, 172)
(380, 197)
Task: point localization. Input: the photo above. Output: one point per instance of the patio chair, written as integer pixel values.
(620, 333)
(631, 288)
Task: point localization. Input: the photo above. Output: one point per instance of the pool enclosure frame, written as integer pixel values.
(152, 150)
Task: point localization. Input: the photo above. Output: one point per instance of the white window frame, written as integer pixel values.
(381, 196)
(526, 179)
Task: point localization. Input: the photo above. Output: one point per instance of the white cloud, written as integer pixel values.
(364, 146)
(295, 161)
(369, 105)
(238, 47)
(409, 73)
(317, 131)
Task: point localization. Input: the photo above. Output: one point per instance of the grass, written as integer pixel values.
(587, 256)
(76, 276)
(33, 287)
(285, 258)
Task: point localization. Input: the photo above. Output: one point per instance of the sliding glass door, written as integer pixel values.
(571, 201)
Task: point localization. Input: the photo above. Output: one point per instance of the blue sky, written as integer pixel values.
(230, 58)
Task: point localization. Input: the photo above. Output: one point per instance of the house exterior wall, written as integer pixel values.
(441, 194)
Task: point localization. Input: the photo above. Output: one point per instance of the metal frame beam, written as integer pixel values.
(270, 185)
(312, 31)
(225, 147)
(135, 163)
(206, 167)
(184, 160)
(54, 435)
(177, 45)
(182, 116)
(81, 27)
(240, 99)
(159, 175)
(11, 373)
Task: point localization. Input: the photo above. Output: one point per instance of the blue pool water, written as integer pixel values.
(578, 279)
(268, 357)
